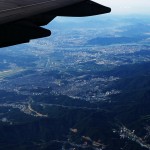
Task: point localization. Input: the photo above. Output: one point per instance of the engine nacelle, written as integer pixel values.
(21, 32)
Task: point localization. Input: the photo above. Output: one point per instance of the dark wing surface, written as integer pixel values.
(21, 20)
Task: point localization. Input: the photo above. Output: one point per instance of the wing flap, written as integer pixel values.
(82, 9)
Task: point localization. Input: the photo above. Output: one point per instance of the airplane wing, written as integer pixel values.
(21, 20)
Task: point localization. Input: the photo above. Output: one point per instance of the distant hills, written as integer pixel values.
(104, 41)
(87, 87)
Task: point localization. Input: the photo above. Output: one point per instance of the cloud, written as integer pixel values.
(127, 6)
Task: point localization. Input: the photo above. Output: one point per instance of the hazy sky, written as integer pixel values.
(127, 6)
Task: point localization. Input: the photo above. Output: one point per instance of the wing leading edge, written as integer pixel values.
(28, 27)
